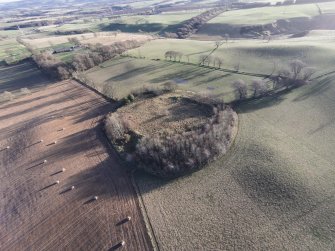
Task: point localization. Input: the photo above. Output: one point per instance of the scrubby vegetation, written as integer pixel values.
(170, 154)
(6, 96)
(295, 75)
(25, 91)
(173, 155)
(92, 56)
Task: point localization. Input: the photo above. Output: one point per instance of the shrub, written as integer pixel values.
(297, 74)
(6, 96)
(115, 127)
(260, 87)
(170, 86)
(241, 89)
(25, 91)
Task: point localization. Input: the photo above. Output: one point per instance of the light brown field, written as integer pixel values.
(37, 215)
(105, 38)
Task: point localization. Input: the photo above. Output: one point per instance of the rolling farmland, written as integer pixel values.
(273, 190)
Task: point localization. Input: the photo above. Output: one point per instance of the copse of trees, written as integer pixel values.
(296, 74)
(74, 41)
(50, 64)
(95, 55)
(173, 55)
(174, 155)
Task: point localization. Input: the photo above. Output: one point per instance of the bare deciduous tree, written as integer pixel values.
(241, 89)
(296, 67)
(218, 43)
(259, 87)
(226, 37)
(218, 61)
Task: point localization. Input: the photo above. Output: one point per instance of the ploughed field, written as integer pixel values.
(39, 214)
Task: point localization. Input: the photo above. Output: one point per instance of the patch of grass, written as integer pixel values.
(11, 51)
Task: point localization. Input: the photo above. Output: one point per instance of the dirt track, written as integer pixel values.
(36, 215)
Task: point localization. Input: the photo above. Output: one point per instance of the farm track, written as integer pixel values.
(38, 216)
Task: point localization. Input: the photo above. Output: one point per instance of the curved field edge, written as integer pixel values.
(274, 188)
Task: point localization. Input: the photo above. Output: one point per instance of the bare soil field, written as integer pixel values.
(273, 190)
(39, 214)
(105, 38)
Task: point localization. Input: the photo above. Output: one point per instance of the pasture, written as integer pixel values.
(254, 56)
(126, 74)
(265, 15)
(286, 19)
(166, 21)
(11, 51)
(274, 189)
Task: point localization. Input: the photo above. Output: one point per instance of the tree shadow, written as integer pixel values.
(48, 186)
(146, 27)
(132, 73)
(275, 191)
(72, 94)
(24, 74)
(319, 86)
(253, 104)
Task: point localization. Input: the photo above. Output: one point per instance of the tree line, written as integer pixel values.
(296, 74)
(203, 59)
(190, 26)
(94, 55)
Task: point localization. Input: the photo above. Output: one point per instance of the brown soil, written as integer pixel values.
(166, 114)
(36, 213)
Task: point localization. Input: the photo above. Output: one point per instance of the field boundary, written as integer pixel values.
(145, 214)
(208, 67)
(94, 90)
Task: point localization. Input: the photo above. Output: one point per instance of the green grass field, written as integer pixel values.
(128, 74)
(255, 56)
(273, 190)
(270, 14)
(151, 23)
(11, 51)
